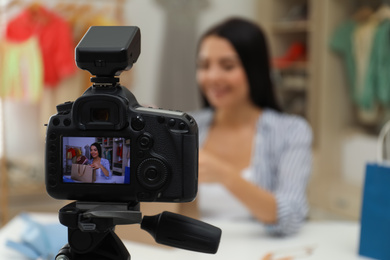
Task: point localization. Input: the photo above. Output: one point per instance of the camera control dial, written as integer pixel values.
(152, 173)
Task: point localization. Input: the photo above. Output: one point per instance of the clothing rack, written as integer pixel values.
(12, 6)
(69, 4)
(67, 166)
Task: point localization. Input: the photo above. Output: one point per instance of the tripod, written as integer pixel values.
(91, 231)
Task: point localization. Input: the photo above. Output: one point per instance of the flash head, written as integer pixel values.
(106, 51)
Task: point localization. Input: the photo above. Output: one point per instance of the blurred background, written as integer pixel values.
(311, 57)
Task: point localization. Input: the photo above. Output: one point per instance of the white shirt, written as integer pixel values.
(281, 163)
(216, 201)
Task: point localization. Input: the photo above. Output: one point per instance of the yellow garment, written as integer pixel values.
(78, 152)
(21, 70)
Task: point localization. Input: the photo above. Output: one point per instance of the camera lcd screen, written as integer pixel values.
(104, 160)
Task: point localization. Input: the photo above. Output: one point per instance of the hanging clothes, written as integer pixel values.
(381, 56)
(363, 41)
(365, 49)
(87, 151)
(341, 42)
(55, 40)
(21, 67)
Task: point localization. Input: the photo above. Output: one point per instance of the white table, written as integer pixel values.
(329, 240)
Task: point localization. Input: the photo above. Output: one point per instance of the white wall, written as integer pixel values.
(149, 17)
(357, 150)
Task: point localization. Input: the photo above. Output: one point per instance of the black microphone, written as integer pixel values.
(183, 232)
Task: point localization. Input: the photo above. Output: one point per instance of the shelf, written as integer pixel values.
(295, 66)
(291, 27)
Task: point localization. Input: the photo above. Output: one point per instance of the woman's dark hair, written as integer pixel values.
(249, 42)
(99, 148)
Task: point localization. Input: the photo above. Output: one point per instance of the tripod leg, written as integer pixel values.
(110, 248)
(64, 253)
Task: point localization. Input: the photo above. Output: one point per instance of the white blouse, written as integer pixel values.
(215, 201)
(281, 163)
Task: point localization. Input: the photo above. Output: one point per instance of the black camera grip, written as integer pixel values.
(182, 232)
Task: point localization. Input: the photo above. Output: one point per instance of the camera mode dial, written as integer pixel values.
(152, 173)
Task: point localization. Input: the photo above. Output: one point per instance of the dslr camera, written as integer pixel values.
(105, 146)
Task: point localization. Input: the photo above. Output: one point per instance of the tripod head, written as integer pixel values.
(91, 230)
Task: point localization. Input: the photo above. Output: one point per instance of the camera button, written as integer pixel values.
(67, 122)
(145, 141)
(182, 126)
(138, 123)
(171, 122)
(151, 174)
(56, 121)
(53, 136)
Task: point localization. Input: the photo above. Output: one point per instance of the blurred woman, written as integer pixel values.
(254, 160)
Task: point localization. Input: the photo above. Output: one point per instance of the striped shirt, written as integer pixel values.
(281, 163)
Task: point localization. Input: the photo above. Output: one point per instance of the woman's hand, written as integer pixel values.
(96, 165)
(213, 169)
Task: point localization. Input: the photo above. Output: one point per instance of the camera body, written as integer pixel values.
(148, 154)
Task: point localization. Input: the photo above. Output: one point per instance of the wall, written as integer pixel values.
(147, 15)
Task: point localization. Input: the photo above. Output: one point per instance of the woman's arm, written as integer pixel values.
(260, 202)
(105, 167)
(294, 169)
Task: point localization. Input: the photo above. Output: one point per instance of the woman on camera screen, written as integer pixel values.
(254, 160)
(101, 165)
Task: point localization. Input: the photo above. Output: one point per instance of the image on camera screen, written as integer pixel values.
(96, 160)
